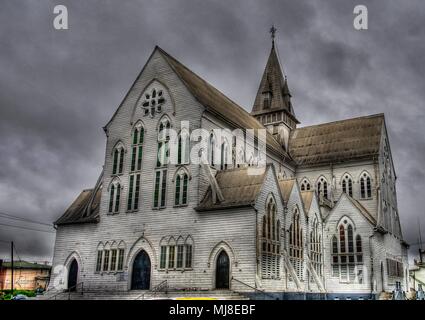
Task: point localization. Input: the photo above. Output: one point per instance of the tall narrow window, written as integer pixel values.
(113, 259)
(183, 148)
(160, 189)
(188, 259)
(180, 197)
(163, 153)
(211, 149)
(180, 249)
(106, 260)
(365, 186)
(133, 192)
(347, 185)
(296, 244)
(171, 256)
(114, 197)
(224, 156)
(270, 256)
(163, 258)
(99, 260)
(315, 247)
(120, 266)
(322, 188)
(118, 159)
(137, 148)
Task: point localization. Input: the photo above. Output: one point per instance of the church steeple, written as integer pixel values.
(272, 105)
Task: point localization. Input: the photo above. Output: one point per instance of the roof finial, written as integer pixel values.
(273, 33)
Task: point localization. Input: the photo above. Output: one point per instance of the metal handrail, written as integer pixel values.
(254, 288)
(156, 289)
(69, 291)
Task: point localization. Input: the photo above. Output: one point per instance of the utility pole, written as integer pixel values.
(11, 254)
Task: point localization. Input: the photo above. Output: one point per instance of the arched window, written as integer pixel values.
(305, 185)
(183, 148)
(118, 159)
(270, 256)
(365, 186)
(114, 197)
(296, 244)
(163, 142)
(176, 255)
(347, 256)
(347, 185)
(159, 198)
(322, 188)
(211, 149)
(224, 155)
(137, 148)
(315, 247)
(182, 180)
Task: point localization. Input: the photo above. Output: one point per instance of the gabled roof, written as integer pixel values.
(217, 103)
(77, 212)
(307, 197)
(238, 187)
(338, 141)
(273, 82)
(363, 210)
(286, 186)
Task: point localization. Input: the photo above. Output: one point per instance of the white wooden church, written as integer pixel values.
(319, 220)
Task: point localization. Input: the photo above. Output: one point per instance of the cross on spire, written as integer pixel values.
(273, 33)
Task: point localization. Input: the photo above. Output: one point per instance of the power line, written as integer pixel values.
(14, 217)
(26, 228)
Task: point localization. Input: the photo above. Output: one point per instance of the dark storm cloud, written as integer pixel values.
(58, 88)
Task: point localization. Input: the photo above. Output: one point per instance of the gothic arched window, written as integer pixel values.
(118, 159)
(181, 186)
(183, 148)
(365, 186)
(211, 149)
(224, 155)
(315, 247)
(322, 188)
(347, 185)
(296, 244)
(270, 255)
(114, 196)
(305, 185)
(347, 255)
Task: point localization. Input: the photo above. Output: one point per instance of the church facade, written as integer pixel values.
(318, 219)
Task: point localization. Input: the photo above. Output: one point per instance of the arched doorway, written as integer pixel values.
(222, 271)
(141, 274)
(73, 275)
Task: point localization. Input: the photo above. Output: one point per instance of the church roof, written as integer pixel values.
(273, 82)
(217, 103)
(337, 141)
(239, 189)
(362, 210)
(78, 213)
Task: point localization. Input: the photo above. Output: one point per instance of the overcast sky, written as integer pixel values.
(58, 88)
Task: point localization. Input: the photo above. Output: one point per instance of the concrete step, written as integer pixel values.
(144, 295)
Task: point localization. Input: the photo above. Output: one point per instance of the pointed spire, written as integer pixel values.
(273, 93)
